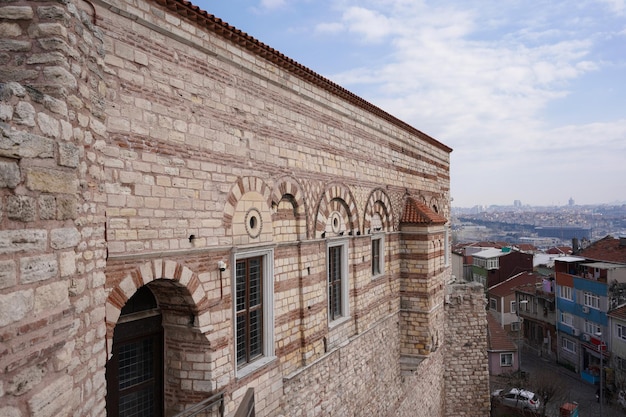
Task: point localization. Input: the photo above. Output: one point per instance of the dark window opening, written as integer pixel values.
(334, 282)
(249, 308)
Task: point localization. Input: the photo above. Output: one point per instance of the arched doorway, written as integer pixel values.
(135, 371)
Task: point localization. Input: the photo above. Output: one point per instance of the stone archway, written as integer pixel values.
(183, 306)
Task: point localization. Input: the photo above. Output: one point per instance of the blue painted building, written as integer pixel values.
(588, 286)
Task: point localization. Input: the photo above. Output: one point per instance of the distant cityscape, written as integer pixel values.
(541, 226)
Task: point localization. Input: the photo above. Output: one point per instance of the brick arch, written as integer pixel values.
(242, 186)
(289, 186)
(378, 203)
(335, 192)
(434, 205)
(146, 273)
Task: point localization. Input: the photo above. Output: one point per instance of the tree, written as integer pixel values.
(547, 389)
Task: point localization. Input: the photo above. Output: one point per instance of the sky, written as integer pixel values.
(530, 94)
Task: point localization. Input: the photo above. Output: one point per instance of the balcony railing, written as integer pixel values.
(210, 407)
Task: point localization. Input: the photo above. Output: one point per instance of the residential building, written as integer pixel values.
(502, 352)
(537, 312)
(492, 266)
(589, 284)
(617, 334)
(190, 218)
(503, 302)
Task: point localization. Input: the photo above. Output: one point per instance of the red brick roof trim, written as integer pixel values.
(218, 26)
(416, 212)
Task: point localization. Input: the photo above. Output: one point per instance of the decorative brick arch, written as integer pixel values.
(241, 187)
(290, 186)
(146, 273)
(434, 205)
(341, 193)
(378, 203)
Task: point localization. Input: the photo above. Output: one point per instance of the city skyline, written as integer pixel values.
(530, 95)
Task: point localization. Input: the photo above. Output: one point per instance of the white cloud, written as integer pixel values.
(332, 28)
(480, 80)
(615, 6)
(272, 4)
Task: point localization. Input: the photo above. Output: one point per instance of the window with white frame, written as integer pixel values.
(566, 292)
(506, 359)
(620, 331)
(621, 363)
(378, 255)
(254, 306)
(493, 304)
(591, 327)
(493, 263)
(568, 345)
(515, 326)
(513, 306)
(567, 319)
(337, 267)
(591, 300)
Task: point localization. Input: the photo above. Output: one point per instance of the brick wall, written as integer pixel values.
(141, 148)
(52, 236)
(466, 372)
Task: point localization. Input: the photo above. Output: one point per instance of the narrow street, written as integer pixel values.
(575, 389)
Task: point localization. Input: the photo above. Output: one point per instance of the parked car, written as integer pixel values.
(517, 398)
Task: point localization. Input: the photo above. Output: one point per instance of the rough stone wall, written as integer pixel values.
(137, 128)
(52, 242)
(466, 370)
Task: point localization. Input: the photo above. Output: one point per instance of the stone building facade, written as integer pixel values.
(187, 212)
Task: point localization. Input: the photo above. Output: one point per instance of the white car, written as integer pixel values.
(517, 398)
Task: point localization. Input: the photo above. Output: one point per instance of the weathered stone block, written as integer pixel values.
(59, 76)
(8, 274)
(25, 145)
(9, 174)
(38, 268)
(10, 45)
(51, 296)
(53, 398)
(67, 207)
(47, 207)
(49, 126)
(68, 155)
(15, 306)
(25, 380)
(16, 12)
(6, 112)
(24, 113)
(9, 30)
(47, 29)
(15, 241)
(64, 238)
(51, 180)
(21, 208)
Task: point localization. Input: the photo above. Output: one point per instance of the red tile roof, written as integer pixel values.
(416, 212)
(497, 338)
(558, 250)
(231, 34)
(607, 249)
(526, 247)
(508, 287)
(618, 313)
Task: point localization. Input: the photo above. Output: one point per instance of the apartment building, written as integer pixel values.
(589, 284)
